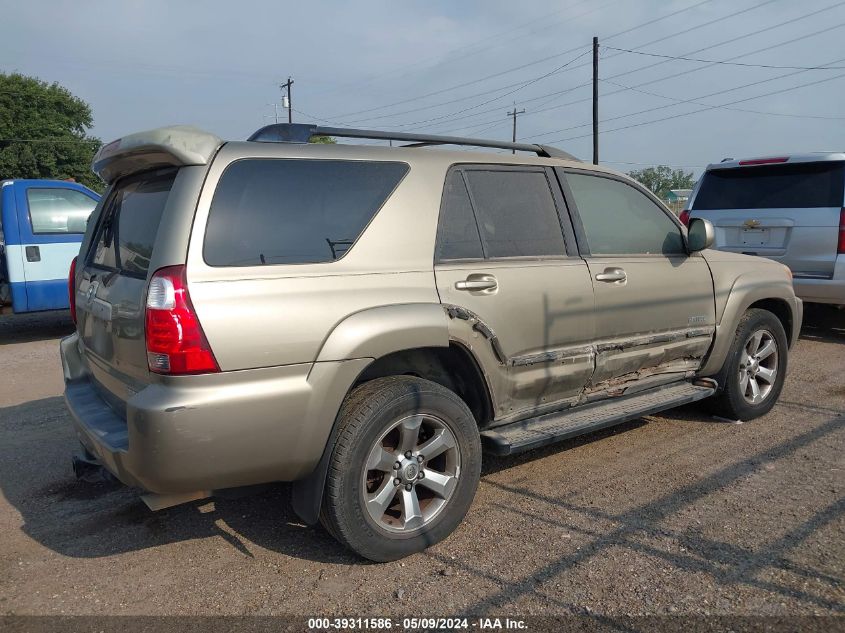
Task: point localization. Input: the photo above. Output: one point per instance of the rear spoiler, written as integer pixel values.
(176, 146)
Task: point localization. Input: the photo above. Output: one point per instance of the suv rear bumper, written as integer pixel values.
(213, 431)
(823, 290)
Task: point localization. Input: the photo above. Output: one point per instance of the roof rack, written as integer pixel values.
(302, 133)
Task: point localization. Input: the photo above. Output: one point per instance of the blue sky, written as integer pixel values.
(457, 68)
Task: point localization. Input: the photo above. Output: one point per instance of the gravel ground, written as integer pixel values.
(674, 513)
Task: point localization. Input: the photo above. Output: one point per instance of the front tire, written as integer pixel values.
(404, 469)
(752, 377)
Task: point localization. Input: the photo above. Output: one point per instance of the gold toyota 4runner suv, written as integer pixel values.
(364, 321)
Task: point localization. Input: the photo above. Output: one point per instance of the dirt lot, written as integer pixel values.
(675, 513)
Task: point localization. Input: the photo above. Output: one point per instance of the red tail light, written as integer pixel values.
(684, 217)
(176, 343)
(841, 248)
(71, 289)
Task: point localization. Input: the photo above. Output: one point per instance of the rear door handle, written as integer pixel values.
(33, 254)
(612, 275)
(477, 283)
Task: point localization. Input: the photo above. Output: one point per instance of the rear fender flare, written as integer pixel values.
(376, 332)
(369, 334)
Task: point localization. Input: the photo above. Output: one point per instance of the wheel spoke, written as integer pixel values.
(766, 350)
(768, 375)
(409, 433)
(743, 382)
(380, 459)
(379, 502)
(441, 441)
(755, 389)
(754, 343)
(411, 513)
(440, 484)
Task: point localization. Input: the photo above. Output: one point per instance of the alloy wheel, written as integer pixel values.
(411, 473)
(758, 366)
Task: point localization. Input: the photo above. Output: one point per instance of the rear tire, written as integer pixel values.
(752, 377)
(407, 430)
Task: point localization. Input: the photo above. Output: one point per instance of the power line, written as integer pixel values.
(532, 63)
(51, 140)
(710, 61)
(451, 117)
(316, 118)
(685, 74)
(693, 102)
(652, 164)
(441, 58)
(501, 96)
(683, 114)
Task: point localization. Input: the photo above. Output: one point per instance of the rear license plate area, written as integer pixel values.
(754, 237)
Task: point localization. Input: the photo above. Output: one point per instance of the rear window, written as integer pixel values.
(129, 223)
(284, 211)
(796, 186)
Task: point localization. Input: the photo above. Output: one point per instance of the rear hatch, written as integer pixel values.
(111, 290)
(142, 225)
(787, 211)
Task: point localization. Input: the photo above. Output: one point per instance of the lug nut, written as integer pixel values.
(408, 454)
(422, 474)
(397, 466)
(420, 458)
(397, 481)
(408, 486)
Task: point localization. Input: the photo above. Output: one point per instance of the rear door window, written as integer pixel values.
(130, 221)
(784, 186)
(285, 211)
(516, 213)
(53, 210)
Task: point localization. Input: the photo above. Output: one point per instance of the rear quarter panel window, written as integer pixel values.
(457, 232)
(784, 186)
(289, 211)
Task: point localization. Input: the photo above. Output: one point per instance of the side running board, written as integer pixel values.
(549, 428)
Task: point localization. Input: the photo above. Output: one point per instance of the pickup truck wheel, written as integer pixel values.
(753, 374)
(404, 469)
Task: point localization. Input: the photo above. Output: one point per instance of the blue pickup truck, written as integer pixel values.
(41, 227)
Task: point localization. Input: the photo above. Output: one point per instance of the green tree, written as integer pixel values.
(659, 180)
(44, 132)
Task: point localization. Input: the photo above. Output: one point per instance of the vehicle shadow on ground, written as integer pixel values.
(726, 563)
(823, 323)
(91, 520)
(39, 326)
(83, 520)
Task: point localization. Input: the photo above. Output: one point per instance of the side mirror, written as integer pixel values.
(701, 235)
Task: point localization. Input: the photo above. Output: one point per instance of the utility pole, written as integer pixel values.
(513, 114)
(595, 101)
(287, 86)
